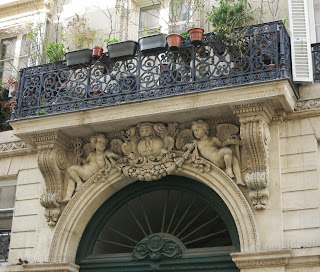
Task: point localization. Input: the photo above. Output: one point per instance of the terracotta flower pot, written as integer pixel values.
(196, 35)
(97, 51)
(174, 41)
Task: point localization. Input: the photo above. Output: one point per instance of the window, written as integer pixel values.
(13, 56)
(180, 15)
(149, 21)
(7, 199)
(317, 18)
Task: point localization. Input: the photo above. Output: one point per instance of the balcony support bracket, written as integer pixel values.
(52, 162)
(255, 136)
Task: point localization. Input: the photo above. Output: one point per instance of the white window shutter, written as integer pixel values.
(300, 41)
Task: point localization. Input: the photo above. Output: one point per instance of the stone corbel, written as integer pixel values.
(255, 136)
(52, 162)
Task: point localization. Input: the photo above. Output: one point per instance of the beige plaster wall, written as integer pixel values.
(300, 183)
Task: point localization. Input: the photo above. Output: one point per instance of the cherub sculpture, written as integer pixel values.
(96, 159)
(146, 140)
(216, 151)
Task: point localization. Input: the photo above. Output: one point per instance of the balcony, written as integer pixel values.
(316, 61)
(55, 88)
(4, 244)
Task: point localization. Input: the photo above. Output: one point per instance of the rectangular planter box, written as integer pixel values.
(82, 56)
(122, 49)
(153, 42)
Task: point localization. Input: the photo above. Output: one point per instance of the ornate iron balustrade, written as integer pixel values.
(5, 235)
(316, 61)
(264, 55)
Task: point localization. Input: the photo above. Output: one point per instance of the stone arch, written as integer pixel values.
(93, 194)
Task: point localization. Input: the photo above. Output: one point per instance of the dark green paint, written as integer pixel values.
(214, 262)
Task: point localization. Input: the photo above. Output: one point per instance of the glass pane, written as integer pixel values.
(6, 69)
(7, 48)
(23, 62)
(180, 11)
(149, 18)
(25, 45)
(7, 196)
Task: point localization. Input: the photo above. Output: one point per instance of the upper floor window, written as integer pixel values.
(13, 56)
(317, 18)
(149, 20)
(180, 15)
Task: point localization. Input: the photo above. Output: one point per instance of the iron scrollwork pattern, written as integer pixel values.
(316, 61)
(56, 88)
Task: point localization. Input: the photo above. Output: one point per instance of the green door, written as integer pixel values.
(172, 224)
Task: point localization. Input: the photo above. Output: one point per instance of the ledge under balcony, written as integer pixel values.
(154, 82)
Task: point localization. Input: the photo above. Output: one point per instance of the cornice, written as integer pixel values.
(13, 6)
(15, 148)
(261, 259)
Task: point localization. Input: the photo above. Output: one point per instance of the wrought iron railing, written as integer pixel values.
(316, 61)
(5, 235)
(264, 55)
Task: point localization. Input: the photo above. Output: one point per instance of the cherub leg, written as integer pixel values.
(228, 161)
(237, 170)
(70, 190)
(74, 175)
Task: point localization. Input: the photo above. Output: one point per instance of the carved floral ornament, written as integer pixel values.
(146, 152)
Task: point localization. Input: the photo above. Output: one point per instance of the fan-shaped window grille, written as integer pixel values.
(184, 215)
(172, 224)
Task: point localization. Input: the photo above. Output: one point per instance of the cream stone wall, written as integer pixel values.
(300, 183)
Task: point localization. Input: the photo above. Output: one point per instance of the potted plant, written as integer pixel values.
(196, 35)
(82, 38)
(122, 49)
(229, 20)
(55, 52)
(174, 41)
(153, 42)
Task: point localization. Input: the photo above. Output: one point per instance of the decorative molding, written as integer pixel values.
(15, 148)
(309, 104)
(158, 246)
(52, 162)
(50, 267)
(261, 259)
(255, 135)
(82, 205)
(25, 5)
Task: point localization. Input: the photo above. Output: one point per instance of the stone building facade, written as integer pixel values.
(201, 175)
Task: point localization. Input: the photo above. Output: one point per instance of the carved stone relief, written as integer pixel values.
(150, 151)
(158, 246)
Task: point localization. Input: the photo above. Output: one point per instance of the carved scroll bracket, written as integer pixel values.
(255, 135)
(52, 162)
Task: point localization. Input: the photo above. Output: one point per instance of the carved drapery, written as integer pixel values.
(52, 161)
(255, 135)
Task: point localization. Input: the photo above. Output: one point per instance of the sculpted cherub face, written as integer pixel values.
(99, 142)
(200, 129)
(146, 130)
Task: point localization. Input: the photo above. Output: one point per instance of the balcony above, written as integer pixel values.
(197, 82)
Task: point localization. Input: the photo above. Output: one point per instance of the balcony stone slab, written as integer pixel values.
(214, 104)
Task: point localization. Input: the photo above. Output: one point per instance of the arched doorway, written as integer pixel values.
(173, 224)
